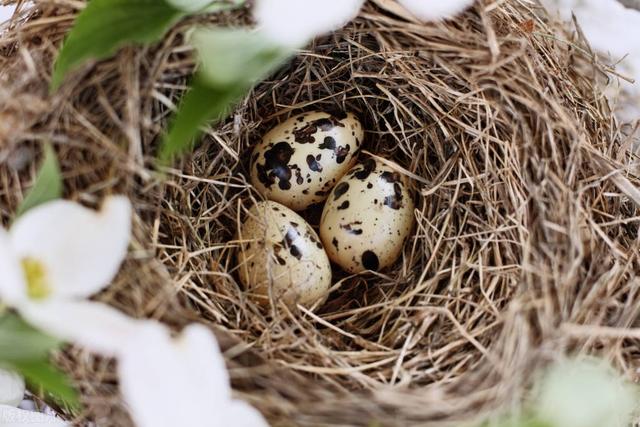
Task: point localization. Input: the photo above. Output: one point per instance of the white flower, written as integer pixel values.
(434, 10)
(14, 417)
(181, 381)
(585, 393)
(293, 23)
(11, 388)
(11, 394)
(57, 255)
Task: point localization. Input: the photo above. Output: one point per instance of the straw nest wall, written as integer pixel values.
(527, 237)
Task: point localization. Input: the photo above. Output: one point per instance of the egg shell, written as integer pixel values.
(298, 162)
(367, 217)
(280, 253)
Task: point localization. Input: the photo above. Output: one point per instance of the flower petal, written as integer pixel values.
(434, 10)
(294, 23)
(170, 382)
(92, 325)
(14, 417)
(11, 388)
(241, 414)
(81, 250)
(12, 286)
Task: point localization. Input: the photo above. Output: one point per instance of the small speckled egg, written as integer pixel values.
(298, 162)
(367, 218)
(280, 253)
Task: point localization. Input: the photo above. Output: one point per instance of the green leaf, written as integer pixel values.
(200, 104)
(205, 6)
(524, 421)
(232, 57)
(43, 377)
(26, 350)
(20, 341)
(106, 25)
(232, 61)
(48, 183)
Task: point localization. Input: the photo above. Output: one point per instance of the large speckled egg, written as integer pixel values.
(367, 218)
(299, 161)
(280, 256)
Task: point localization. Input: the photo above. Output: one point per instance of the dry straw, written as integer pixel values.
(527, 238)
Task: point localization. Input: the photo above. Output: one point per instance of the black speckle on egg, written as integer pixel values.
(370, 260)
(334, 242)
(287, 242)
(394, 201)
(329, 143)
(349, 228)
(369, 186)
(295, 251)
(276, 166)
(344, 205)
(340, 152)
(299, 179)
(313, 164)
(390, 177)
(305, 135)
(365, 169)
(340, 190)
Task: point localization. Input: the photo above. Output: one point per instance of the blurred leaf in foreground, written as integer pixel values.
(585, 393)
(43, 377)
(20, 341)
(48, 183)
(206, 6)
(232, 61)
(26, 351)
(524, 421)
(582, 392)
(106, 25)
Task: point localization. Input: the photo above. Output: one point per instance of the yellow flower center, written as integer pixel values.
(36, 278)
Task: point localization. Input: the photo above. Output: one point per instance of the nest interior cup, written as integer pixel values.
(504, 138)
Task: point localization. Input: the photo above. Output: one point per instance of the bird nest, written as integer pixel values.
(526, 240)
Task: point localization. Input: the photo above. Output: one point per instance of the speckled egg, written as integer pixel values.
(367, 217)
(281, 256)
(298, 162)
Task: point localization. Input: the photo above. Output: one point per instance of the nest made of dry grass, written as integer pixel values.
(527, 231)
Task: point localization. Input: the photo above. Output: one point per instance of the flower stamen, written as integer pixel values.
(36, 277)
